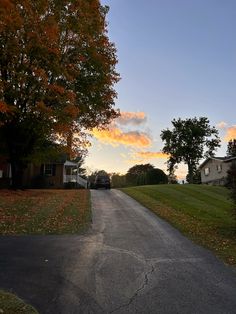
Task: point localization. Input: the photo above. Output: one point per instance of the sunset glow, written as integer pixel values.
(173, 63)
(116, 136)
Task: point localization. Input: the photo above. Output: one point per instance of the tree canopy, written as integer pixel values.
(57, 71)
(135, 175)
(145, 174)
(189, 141)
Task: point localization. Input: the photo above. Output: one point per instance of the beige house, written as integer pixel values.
(214, 170)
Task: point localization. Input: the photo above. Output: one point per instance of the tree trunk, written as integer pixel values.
(69, 143)
(17, 170)
(19, 143)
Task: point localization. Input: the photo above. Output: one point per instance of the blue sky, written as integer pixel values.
(177, 58)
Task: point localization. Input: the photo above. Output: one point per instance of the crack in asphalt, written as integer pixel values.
(176, 260)
(143, 286)
(137, 256)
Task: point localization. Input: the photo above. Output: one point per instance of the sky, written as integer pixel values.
(177, 59)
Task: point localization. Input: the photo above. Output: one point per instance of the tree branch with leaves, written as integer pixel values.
(189, 141)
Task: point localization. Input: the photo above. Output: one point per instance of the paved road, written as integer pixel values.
(129, 262)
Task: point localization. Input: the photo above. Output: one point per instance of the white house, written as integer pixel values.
(70, 174)
(214, 170)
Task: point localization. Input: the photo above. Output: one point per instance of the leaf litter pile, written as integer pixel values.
(44, 211)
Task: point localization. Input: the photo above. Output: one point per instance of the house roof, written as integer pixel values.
(70, 163)
(222, 159)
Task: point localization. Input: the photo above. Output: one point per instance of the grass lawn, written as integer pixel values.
(44, 211)
(203, 213)
(11, 304)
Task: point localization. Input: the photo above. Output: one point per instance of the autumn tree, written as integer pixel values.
(189, 141)
(231, 148)
(57, 72)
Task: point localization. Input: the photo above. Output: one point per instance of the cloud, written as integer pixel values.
(151, 155)
(230, 133)
(116, 136)
(221, 125)
(134, 118)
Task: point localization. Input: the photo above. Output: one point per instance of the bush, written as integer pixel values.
(231, 183)
(39, 182)
(156, 176)
(4, 183)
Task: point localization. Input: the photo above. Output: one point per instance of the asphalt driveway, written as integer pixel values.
(129, 262)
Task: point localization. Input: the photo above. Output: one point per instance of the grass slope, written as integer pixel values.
(203, 213)
(44, 211)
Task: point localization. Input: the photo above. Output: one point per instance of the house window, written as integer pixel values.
(49, 170)
(206, 171)
(219, 168)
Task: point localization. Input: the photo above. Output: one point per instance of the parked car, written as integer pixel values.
(102, 181)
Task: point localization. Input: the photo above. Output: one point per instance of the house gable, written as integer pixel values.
(214, 170)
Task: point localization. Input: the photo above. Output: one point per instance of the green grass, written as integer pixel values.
(203, 213)
(44, 211)
(11, 304)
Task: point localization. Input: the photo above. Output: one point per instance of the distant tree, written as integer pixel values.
(139, 169)
(172, 178)
(103, 173)
(92, 176)
(156, 176)
(231, 148)
(196, 177)
(136, 174)
(145, 174)
(118, 180)
(171, 167)
(231, 173)
(57, 71)
(189, 141)
(231, 176)
(231, 183)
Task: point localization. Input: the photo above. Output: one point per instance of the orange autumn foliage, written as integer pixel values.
(57, 71)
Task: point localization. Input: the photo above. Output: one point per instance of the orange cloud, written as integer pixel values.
(134, 118)
(151, 155)
(116, 136)
(230, 133)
